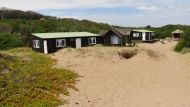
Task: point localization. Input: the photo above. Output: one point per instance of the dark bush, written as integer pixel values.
(8, 41)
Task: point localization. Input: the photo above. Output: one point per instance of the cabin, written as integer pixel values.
(142, 36)
(176, 35)
(120, 37)
(52, 42)
(117, 37)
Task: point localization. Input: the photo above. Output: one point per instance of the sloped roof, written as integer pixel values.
(64, 35)
(103, 32)
(119, 32)
(178, 31)
(123, 31)
(141, 30)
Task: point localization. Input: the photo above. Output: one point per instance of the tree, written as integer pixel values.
(148, 26)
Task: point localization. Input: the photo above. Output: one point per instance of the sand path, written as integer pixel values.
(142, 81)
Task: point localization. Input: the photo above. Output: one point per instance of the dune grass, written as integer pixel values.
(28, 79)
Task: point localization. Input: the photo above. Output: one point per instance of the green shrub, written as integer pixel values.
(28, 79)
(8, 41)
(184, 42)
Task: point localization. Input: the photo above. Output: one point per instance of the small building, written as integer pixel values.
(122, 36)
(142, 36)
(176, 35)
(116, 37)
(51, 42)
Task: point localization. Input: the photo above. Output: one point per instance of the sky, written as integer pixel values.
(129, 13)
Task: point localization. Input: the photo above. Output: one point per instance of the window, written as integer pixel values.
(136, 34)
(60, 43)
(92, 40)
(36, 43)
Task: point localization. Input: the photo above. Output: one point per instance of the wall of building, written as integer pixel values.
(146, 36)
(70, 43)
(107, 38)
(132, 38)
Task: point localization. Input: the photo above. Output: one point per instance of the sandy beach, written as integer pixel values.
(158, 80)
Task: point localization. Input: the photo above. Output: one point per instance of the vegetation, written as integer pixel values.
(184, 42)
(18, 14)
(23, 23)
(9, 41)
(25, 27)
(28, 79)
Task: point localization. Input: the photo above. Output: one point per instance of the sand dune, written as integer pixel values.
(155, 77)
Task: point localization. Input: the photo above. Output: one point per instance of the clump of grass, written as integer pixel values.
(32, 82)
(127, 54)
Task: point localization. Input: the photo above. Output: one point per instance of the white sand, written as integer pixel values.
(142, 81)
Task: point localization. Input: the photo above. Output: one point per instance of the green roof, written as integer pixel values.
(143, 30)
(64, 35)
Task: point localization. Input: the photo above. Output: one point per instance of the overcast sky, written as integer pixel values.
(132, 13)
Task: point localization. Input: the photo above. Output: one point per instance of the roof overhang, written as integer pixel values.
(178, 31)
(64, 35)
(143, 31)
(116, 32)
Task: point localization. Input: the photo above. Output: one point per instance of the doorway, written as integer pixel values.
(78, 42)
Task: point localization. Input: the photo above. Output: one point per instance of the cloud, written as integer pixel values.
(150, 8)
(62, 4)
(118, 12)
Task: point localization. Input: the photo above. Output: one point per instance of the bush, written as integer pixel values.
(8, 41)
(184, 42)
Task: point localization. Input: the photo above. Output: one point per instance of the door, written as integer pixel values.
(115, 40)
(78, 42)
(148, 36)
(144, 36)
